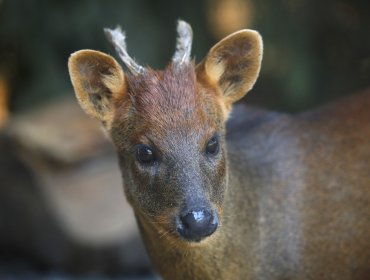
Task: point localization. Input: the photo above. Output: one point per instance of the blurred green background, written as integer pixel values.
(62, 208)
(314, 50)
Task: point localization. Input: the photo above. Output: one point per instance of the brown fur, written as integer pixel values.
(290, 192)
(4, 100)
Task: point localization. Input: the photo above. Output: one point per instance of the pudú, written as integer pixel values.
(232, 194)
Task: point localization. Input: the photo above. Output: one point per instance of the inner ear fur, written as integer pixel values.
(233, 64)
(98, 81)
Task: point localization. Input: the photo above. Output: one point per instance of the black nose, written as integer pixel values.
(197, 224)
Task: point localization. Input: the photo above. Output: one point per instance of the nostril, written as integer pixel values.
(197, 224)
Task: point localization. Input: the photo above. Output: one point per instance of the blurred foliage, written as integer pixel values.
(314, 50)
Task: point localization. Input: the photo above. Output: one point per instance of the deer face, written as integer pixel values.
(168, 127)
(171, 145)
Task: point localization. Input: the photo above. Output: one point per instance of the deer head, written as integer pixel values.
(168, 126)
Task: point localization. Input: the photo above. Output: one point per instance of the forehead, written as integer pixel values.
(156, 93)
(169, 101)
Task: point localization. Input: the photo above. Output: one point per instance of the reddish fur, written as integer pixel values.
(163, 102)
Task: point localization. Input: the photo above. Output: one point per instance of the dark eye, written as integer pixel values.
(144, 154)
(213, 146)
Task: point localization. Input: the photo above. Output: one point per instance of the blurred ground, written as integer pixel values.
(61, 198)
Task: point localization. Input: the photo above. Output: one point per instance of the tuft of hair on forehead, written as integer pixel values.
(157, 93)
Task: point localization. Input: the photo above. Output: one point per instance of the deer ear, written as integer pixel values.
(233, 64)
(98, 81)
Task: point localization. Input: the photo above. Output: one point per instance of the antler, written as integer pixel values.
(118, 39)
(183, 44)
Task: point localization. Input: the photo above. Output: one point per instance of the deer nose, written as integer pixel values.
(194, 225)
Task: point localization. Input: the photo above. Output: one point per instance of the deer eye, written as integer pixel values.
(144, 154)
(212, 146)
